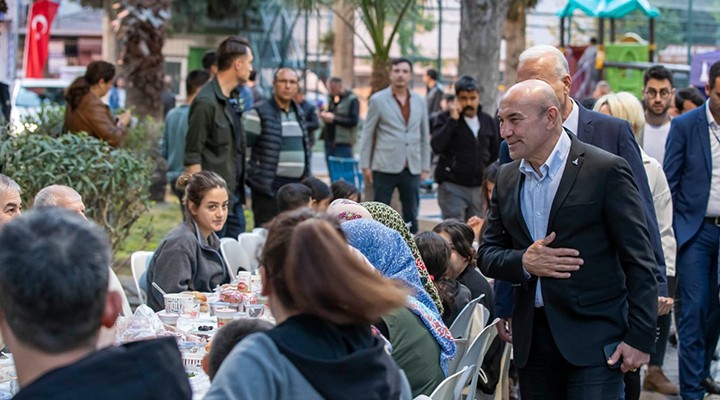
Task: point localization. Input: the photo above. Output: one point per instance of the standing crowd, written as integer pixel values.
(583, 231)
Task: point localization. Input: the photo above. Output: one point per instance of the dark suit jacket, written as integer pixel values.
(688, 168)
(614, 136)
(613, 296)
(464, 157)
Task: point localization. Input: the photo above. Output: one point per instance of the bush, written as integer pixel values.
(112, 182)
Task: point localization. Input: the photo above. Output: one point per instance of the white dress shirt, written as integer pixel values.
(713, 207)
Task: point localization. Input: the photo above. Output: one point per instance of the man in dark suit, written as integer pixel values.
(610, 134)
(692, 167)
(566, 227)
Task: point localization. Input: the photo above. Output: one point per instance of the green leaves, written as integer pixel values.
(113, 182)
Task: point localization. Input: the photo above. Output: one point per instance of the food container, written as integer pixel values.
(174, 302)
(221, 304)
(255, 310)
(224, 316)
(168, 318)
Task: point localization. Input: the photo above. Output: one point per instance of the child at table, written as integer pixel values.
(227, 337)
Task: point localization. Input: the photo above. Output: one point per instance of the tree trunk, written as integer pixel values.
(380, 75)
(481, 28)
(110, 48)
(344, 43)
(514, 45)
(143, 35)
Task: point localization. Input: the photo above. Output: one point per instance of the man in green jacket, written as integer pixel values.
(215, 139)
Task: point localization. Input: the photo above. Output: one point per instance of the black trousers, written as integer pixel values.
(549, 376)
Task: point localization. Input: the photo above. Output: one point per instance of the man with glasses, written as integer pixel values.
(280, 148)
(658, 95)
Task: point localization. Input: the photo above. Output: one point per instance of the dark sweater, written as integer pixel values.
(185, 261)
(463, 157)
(478, 285)
(145, 370)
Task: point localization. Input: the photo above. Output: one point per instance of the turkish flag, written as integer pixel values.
(41, 16)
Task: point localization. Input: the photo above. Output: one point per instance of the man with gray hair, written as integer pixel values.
(66, 197)
(548, 64)
(10, 201)
(54, 299)
(60, 196)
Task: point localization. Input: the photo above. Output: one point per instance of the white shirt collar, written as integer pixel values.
(711, 119)
(573, 119)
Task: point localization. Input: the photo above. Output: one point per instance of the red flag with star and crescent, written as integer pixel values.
(40, 19)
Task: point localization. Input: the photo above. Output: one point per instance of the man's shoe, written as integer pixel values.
(710, 386)
(656, 381)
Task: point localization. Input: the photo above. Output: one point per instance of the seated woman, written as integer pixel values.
(189, 256)
(387, 216)
(462, 261)
(421, 343)
(436, 253)
(322, 347)
(85, 110)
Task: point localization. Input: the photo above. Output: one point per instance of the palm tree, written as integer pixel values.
(481, 27)
(141, 32)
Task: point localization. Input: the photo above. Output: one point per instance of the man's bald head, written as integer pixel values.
(535, 93)
(530, 121)
(60, 196)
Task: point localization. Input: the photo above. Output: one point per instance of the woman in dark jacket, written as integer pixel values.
(189, 256)
(85, 111)
(436, 253)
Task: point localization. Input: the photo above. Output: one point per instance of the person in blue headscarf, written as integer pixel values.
(422, 353)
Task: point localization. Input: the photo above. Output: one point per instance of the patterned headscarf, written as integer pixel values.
(388, 252)
(348, 210)
(387, 216)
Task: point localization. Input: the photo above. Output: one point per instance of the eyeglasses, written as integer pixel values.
(664, 93)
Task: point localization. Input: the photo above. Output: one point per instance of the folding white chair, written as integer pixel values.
(478, 321)
(115, 284)
(460, 328)
(252, 244)
(476, 353)
(234, 256)
(451, 388)
(139, 262)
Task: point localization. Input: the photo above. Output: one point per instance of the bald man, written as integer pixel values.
(280, 146)
(60, 196)
(577, 249)
(68, 198)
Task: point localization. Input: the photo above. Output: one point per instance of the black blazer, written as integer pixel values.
(612, 135)
(597, 210)
(463, 157)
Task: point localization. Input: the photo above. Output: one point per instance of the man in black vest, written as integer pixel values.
(467, 143)
(280, 149)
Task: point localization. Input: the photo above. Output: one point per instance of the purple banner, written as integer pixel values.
(700, 67)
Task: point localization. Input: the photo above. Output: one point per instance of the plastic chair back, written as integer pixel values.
(139, 262)
(114, 282)
(234, 256)
(252, 244)
(476, 353)
(347, 169)
(460, 328)
(451, 388)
